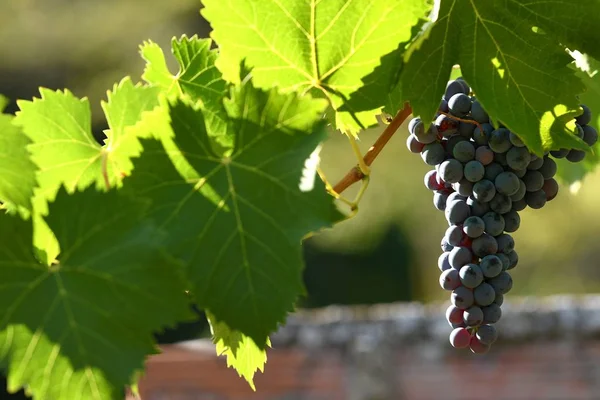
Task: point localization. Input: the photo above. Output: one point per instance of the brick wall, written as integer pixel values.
(547, 350)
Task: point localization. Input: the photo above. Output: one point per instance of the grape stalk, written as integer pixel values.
(483, 177)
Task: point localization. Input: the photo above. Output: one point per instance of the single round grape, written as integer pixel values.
(518, 158)
(456, 212)
(506, 243)
(515, 140)
(464, 187)
(428, 135)
(512, 221)
(590, 135)
(519, 205)
(576, 155)
(464, 151)
(484, 294)
(451, 171)
(460, 256)
(474, 171)
(499, 300)
(454, 315)
(484, 190)
(473, 227)
(548, 168)
(487, 334)
(550, 188)
(494, 223)
(535, 163)
(491, 313)
(492, 171)
(443, 107)
(453, 87)
(586, 117)
(433, 153)
(449, 279)
(416, 126)
(579, 131)
(520, 194)
(519, 172)
(445, 245)
(430, 180)
(459, 104)
(499, 140)
(502, 283)
(481, 136)
(491, 266)
(477, 347)
(536, 200)
(562, 153)
(456, 197)
(413, 145)
(507, 183)
(460, 338)
(478, 113)
(513, 258)
(478, 208)
(443, 262)
(501, 203)
(439, 200)
(466, 129)
(470, 275)
(452, 142)
(473, 316)
(464, 84)
(462, 298)
(484, 155)
(534, 180)
(445, 125)
(454, 235)
(500, 158)
(484, 245)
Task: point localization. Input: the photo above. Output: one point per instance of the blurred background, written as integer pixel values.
(387, 254)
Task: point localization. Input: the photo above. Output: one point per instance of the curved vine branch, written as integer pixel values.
(355, 174)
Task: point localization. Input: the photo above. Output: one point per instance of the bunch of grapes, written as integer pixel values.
(483, 177)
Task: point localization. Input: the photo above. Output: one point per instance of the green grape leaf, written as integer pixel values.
(198, 77)
(238, 220)
(573, 23)
(81, 328)
(241, 351)
(60, 124)
(327, 46)
(17, 169)
(520, 77)
(3, 103)
(572, 173)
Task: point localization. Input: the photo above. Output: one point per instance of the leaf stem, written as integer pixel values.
(332, 192)
(362, 166)
(355, 174)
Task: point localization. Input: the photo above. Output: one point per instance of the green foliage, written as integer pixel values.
(206, 184)
(520, 77)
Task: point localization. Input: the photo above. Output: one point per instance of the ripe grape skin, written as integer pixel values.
(460, 256)
(562, 153)
(487, 334)
(499, 300)
(516, 140)
(466, 129)
(501, 203)
(512, 221)
(462, 298)
(484, 245)
(464, 187)
(453, 87)
(519, 205)
(456, 196)
(536, 200)
(443, 263)
(484, 191)
(579, 131)
(439, 200)
(457, 211)
(471, 276)
(519, 172)
(460, 338)
(478, 208)
(499, 140)
(484, 294)
(491, 266)
(430, 180)
(550, 188)
(454, 235)
(445, 245)
(473, 316)
(518, 158)
(500, 158)
(590, 135)
(454, 315)
(491, 313)
(507, 183)
(520, 194)
(481, 138)
(449, 279)
(506, 243)
(413, 145)
(451, 171)
(492, 171)
(586, 117)
(505, 260)
(576, 155)
(459, 104)
(415, 126)
(535, 163)
(433, 153)
(484, 155)
(478, 113)
(473, 227)
(513, 258)
(452, 142)
(464, 151)
(534, 180)
(474, 171)
(548, 168)
(445, 125)
(502, 283)
(494, 223)
(464, 84)
(477, 347)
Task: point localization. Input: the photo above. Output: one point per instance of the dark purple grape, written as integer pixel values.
(460, 338)
(484, 245)
(473, 316)
(534, 180)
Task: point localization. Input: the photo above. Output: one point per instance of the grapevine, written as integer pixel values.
(209, 179)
